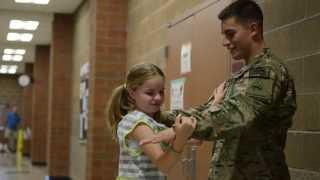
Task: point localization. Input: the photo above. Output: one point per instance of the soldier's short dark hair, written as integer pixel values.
(244, 11)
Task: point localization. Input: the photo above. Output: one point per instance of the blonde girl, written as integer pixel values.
(133, 111)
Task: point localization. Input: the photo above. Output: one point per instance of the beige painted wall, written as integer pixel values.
(292, 28)
(80, 57)
(147, 28)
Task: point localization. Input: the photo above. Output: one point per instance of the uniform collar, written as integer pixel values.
(265, 53)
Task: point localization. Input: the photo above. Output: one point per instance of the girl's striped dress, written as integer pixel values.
(133, 163)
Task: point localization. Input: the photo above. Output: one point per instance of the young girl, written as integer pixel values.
(133, 111)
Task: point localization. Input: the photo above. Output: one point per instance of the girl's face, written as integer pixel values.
(149, 97)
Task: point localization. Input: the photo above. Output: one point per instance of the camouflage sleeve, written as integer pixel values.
(168, 117)
(250, 97)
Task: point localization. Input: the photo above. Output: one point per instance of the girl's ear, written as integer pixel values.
(131, 93)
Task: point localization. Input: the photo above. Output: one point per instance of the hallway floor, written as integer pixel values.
(11, 168)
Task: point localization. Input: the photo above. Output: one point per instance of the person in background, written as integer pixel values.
(133, 113)
(12, 125)
(250, 125)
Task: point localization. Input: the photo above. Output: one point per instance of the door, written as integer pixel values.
(210, 65)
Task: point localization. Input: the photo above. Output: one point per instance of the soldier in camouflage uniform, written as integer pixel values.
(250, 125)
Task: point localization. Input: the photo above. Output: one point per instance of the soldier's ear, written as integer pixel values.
(254, 29)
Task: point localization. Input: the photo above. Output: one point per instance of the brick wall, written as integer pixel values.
(10, 91)
(40, 105)
(27, 102)
(291, 29)
(59, 122)
(107, 70)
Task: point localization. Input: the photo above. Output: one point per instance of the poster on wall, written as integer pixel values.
(176, 93)
(185, 59)
(84, 100)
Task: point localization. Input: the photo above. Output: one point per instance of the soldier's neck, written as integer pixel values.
(256, 50)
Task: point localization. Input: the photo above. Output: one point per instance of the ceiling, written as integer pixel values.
(30, 12)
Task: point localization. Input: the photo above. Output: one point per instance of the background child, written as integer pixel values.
(133, 111)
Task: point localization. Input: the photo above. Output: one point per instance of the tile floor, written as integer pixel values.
(13, 168)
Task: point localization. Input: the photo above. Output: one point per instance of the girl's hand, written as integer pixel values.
(184, 127)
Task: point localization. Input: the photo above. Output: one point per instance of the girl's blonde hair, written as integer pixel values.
(120, 102)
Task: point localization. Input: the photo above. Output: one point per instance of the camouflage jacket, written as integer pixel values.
(249, 126)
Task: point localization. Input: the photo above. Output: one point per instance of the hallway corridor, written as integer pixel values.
(10, 170)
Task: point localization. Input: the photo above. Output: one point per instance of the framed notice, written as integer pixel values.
(176, 93)
(84, 99)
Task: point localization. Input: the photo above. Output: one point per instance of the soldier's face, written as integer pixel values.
(237, 38)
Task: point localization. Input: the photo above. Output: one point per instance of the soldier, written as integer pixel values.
(250, 125)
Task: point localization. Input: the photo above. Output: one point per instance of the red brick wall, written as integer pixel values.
(40, 105)
(27, 98)
(59, 123)
(10, 92)
(107, 70)
(27, 101)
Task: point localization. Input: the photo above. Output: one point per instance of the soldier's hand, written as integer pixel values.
(219, 93)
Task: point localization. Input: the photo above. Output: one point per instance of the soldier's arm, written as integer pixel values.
(168, 117)
(253, 96)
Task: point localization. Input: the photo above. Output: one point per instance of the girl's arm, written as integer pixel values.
(165, 160)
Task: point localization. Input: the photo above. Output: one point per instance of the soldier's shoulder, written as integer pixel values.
(273, 64)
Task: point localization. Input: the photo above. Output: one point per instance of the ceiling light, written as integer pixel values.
(31, 25)
(8, 51)
(25, 25)
(25, 37)
(23, 1)
(13, 36)
(14, 51)
(20, 51)
(12, 69)
(4, 69)
(41, 2)
(17, 58)
(6, 57)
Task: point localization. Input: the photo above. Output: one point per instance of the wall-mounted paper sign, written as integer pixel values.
(176, 93)
(185, 59)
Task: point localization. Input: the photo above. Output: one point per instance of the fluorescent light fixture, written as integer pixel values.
(23, 1)
(12, 69)
(25, 37)
(6, 57)
(20, 51)
(4, 69)
(41, 2)
(24, 25)
(13, 36)
(17, 58)
(8, 51)
(14, 51)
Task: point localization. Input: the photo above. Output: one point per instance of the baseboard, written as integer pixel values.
(57, 178)
(38, 163)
